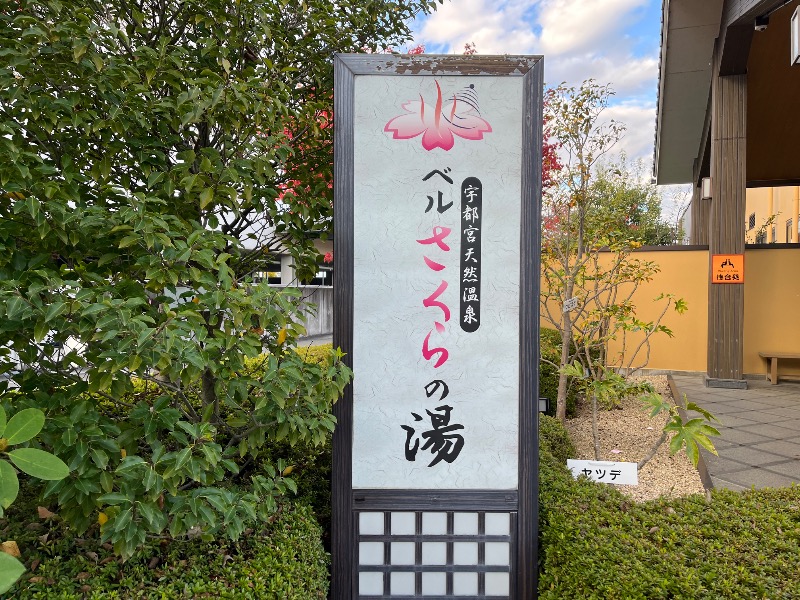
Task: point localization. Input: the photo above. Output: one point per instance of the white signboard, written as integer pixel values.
(616, 473)
(437, 171)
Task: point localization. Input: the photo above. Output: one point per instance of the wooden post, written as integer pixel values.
(703, 217)
(726, 232)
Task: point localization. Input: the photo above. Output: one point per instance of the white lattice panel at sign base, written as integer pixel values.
(434, 554)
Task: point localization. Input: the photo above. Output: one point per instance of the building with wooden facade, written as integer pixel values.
(728, 112)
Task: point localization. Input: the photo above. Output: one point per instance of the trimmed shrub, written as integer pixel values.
(284, 561)
(554, 439)
(146, 469)
(311, 470)
(596, 543)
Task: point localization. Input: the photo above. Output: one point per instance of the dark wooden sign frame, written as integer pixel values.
(523, 502)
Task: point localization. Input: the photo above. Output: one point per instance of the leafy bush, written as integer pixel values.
(596, 543)
(140, 468)
(554, 439)
(285, 560)
(21, 429)
(550, 349)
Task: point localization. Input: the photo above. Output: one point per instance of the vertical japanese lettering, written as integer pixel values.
(470, 271)
(441, 440)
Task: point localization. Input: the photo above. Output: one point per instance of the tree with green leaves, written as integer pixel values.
(591, 272)
(623, 199)
(152, 156)
(572, 120)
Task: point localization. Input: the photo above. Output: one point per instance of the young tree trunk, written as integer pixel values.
(595, 434)
(566, 342)
(208, 393)
(563, 380)
(652, 451)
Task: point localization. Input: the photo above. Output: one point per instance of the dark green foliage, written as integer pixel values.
(598, 544)
(553, 438)
(622, 200)
(550, 348)
(284, 561)
(311, 472)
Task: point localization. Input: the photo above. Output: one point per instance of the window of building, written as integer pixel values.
(761, 238)
(324, 277)
(272, 274)
(751, 222)
(774, 237)
(788, 231)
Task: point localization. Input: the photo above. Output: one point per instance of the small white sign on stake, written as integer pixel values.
(570, 304)
(616, 473)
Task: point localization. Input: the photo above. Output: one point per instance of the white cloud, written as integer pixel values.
(495, 28)
(579, 39)
(570, 26)
(640, 127)
(628, 76)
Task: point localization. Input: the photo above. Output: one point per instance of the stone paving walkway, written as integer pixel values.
(759, 445)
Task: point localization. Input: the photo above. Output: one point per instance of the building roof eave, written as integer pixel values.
(689, 29)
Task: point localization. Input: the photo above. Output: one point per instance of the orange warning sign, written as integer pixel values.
(727, 268)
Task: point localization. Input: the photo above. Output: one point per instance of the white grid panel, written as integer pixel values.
(435, 555)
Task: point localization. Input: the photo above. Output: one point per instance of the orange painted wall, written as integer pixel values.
(684, 274)
(771, 306)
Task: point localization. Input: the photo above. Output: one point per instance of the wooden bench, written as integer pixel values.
(772, 359)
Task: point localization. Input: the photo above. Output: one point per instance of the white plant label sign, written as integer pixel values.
(570, 305)
(615, 473)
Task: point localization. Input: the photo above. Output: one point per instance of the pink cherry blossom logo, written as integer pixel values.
(441, 122)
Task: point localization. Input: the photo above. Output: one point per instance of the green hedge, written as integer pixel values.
(554, 439)
(285, 561)
(596, 543)
(315, 354)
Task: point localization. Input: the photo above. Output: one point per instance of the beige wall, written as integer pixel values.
(771, 308)
(782, 205)
(684, 274)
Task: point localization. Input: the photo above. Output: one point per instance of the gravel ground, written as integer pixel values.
(633, 432)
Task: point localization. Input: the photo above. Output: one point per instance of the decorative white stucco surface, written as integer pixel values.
(392, 279)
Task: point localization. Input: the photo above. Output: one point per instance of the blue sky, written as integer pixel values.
(612, 41)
